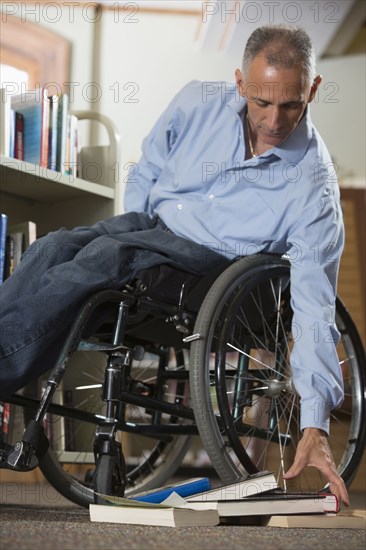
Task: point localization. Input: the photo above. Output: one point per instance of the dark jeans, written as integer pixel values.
(38, 303)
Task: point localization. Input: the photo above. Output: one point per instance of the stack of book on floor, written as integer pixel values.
(256, 500)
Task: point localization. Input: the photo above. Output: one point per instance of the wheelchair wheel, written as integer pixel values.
(246, 408)
(69, 464)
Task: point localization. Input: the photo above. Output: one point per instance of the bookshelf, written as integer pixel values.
(33, 182)
(51, 199)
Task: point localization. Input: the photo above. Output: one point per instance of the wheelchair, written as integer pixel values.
(146, 368)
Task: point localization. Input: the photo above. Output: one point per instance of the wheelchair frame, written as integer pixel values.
(32, 448)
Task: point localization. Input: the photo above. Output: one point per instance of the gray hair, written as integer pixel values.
(283, 46)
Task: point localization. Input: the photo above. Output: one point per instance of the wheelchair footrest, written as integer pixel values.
(84, 345)
(26, 453)
(19, 457)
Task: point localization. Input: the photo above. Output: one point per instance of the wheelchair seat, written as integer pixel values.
(170, 284)
(166, 286)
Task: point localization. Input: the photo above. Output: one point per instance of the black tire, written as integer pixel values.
(108, 479)
(246, 409)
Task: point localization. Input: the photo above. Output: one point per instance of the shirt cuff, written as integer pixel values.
(315, 413)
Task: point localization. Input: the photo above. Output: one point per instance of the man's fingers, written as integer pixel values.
(295, 470)
(292, 472)
(338, 487)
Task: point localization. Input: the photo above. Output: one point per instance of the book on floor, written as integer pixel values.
(252, 485)
(272, 503)
(184, 489)
(128, 511)
(354, 519)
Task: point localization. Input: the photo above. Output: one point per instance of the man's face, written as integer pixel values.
(277, 99)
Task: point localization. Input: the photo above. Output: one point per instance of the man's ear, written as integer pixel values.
(314, 87)
(239, 78)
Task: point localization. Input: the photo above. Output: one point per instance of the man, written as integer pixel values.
(227, 170)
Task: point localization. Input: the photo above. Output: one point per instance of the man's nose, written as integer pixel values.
(274, 120)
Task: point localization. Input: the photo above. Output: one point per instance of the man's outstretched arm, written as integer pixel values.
(313, 450)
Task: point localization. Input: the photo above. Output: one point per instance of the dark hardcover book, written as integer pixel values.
(19, 136)
(63, 106)
(184, 489)
(44, 128)
(18, 246)
(53, 130)
(3, 228)
(268, 504)
(9, 257)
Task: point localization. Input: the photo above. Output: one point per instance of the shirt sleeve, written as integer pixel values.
(155, 150)
(316, 245)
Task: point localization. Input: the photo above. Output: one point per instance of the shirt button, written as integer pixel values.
(211, 197)
(180, 206)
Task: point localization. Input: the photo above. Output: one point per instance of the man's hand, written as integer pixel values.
(313, 450)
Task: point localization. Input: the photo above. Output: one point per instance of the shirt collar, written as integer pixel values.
(295, 146)
(236, 102)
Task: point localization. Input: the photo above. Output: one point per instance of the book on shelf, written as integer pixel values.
(28, 229)
(272, 503)
(16, 247)
(252, 485)
(184, 489)
(45, 117)
(29, 105)
(52, 132)
(18, 149)
(9, 257)
(62, 131)
(128, 511)
(353, 519)
(5, 126)
(4, 421)
(36, 127)
(3, 229)
(18, 238)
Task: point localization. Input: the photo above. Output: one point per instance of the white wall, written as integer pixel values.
(339, 113)
(152, 59)
(146, 58)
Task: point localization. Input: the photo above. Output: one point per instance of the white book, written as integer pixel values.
(252, 485)
(153, 515)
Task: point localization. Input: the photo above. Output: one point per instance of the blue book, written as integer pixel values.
(29, 104)
(3, 226)
(184, 489)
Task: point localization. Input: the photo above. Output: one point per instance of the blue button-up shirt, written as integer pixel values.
(194, 175)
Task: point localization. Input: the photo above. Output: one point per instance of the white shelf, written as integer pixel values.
(34, 182)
